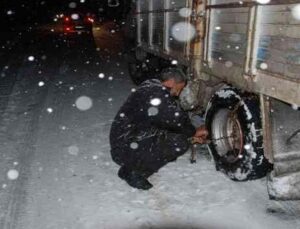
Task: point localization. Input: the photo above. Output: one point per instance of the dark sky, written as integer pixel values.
(23, 12)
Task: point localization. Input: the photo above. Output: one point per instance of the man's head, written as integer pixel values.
(174, 79)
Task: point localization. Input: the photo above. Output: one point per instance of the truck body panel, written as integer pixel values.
(251, 46)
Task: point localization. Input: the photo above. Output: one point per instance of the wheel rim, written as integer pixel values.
(227, 135)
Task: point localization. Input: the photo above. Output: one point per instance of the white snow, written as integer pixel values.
(12, 174)
(63, 128)
(185, 12)
(295, 107)
(70, 180)
(226, 93)
(174, 62)
(49, 110)
(41, 83)
(235, 37)
(228, 64)
(238, 174)
(263, 66)
(31, 58)
(152, 111)
(183, 31)
(263, 1)
(75, 16)
(296, 12)
(247, 147)
(134, 145)
(155, 101)
(101, 75)
(253, 132)
(280, 185)
(84, 103)
(73, 150)
(72, 5)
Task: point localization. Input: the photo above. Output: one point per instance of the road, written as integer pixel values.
(55, 166)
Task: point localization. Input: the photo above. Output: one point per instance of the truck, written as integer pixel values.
(242, 61)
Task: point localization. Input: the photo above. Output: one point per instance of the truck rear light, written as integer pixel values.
(90, 19)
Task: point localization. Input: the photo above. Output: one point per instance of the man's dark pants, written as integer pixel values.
(152, 153)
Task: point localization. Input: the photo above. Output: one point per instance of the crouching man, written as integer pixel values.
(151, 129)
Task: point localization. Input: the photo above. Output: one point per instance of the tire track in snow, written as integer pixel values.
(24, 147)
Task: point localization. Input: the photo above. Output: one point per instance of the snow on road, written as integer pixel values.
(63, 175)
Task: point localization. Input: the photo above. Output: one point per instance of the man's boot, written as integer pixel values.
(134, 178)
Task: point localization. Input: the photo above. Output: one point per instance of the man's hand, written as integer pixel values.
(200, 135)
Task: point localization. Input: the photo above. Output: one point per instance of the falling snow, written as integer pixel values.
(155, 102)
(49, 110)
(228, 64)
(84, 103)
(152, 111)
(101, 75)
(72, 5)
(185, 12)
(75, 16)
(183, 31)
(73, 150)
(31, 58)
(263, 66)
(295, 107)
(41, 84)
(12, 174)
(174, 62)
(134, 145)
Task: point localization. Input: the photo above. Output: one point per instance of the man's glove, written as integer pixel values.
(200, 136)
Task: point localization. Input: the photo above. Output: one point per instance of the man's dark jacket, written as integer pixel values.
(149, 115)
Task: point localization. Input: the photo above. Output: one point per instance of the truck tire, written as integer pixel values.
(235, 129)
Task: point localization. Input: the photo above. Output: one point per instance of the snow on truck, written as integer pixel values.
(242, 59)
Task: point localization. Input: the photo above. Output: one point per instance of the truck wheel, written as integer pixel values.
(233, 121)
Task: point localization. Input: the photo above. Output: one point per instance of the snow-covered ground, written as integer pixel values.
(56, 150)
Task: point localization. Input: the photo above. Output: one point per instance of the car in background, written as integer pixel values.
(78, 22)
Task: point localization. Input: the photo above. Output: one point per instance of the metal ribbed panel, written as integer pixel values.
(142, 5)
(215, 2)
(158, 4)
(176, 4)
(175, 45)
(228, 36)
(158, 30)
(279, 41)
(144, 28)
